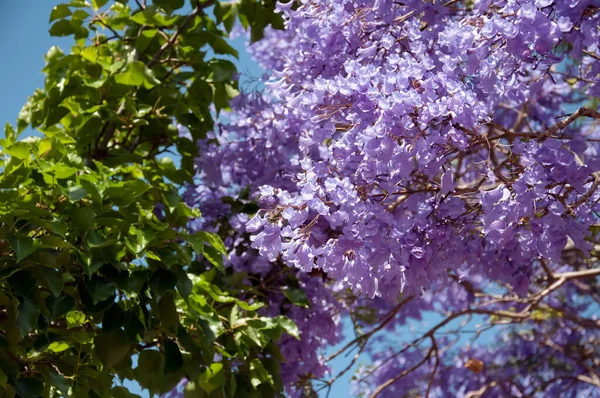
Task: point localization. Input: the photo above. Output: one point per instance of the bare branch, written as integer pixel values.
(367, 335)
(394, 379)
(481, 391)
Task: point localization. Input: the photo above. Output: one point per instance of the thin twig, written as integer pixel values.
(180, 30)
(387, 320)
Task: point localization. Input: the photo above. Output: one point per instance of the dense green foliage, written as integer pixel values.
(96, 267)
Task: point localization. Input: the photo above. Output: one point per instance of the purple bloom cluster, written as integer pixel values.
(246, 152)
(431, 137)
(398, 143)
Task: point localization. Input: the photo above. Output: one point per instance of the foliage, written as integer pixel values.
(97, 268)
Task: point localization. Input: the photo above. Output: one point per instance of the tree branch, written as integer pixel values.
(199, 8)
(109, 128)
(367, 335)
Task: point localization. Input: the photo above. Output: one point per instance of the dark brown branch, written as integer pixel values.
(394, 379)
(435, 368)
(180, 30)
(548, 133)
(591, 54)
(517, 317)
(109, 28)
(367, 335)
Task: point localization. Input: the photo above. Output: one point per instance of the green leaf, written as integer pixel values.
(214, 240)
(221, 70)
(223, 93)
(273, 350)
(170, 5)
(42, 342)
(3, 378)
(23, 247)
(173, 357)
(226, 13)
(80, 14)
(134, 327)
(59, 227)
(82, 217)
(59, 382)
(212, 378)
(19, 150)
(54, 242)
(77, 193)
(28, 316)
(65, 27)
(55, 115)
(273, 367)
(297, 296)
(60, 11)
(288, 325)
(143, 40)
(167, 311)
(133, 75)
(58, 306)
(62, 171)
(58, 346)
(29, 387)
(113, 318)
(53, 279)
(258, 373)
(143, 238)
(218, 44)
(94, 239)
(23, 283)
(184, 284)
(151, 17)
(75, 318)
(111, 347)
(216, 294)
(98, 3)
(137, 74)
(122, 392)
(162, 281)
(214, 257)
(193, 390)
(149, 362)
(201, 93)
(99, 289)
(9, 133)
(196, 242)
(127, 193)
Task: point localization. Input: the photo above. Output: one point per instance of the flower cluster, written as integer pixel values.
(433, 136)
(402, 147)
(246, 152)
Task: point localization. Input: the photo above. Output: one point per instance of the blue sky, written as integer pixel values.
(25, 40)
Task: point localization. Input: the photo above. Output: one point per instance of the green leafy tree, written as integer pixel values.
(96, 266)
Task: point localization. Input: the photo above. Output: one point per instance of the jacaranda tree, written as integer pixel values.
(405, 160)
(418, 157)
(98, 270)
